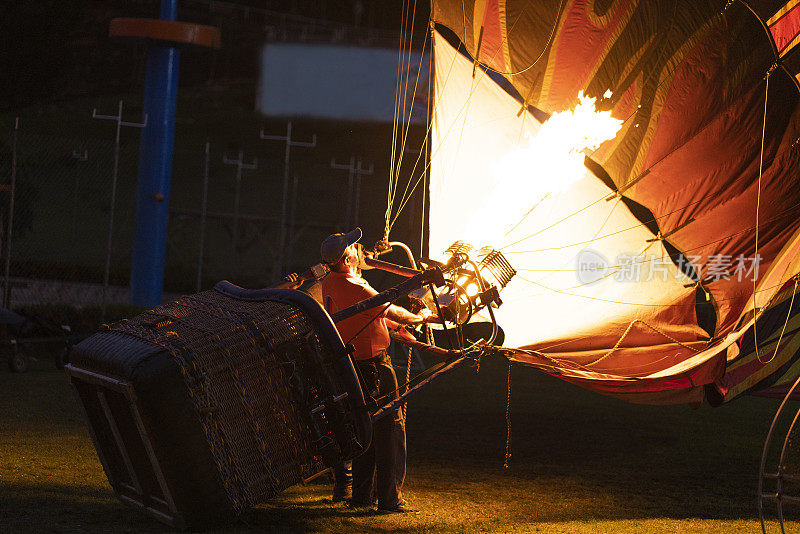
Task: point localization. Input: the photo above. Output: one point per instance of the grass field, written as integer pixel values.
(580, 463)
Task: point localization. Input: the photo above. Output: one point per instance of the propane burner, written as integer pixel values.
(473, 281)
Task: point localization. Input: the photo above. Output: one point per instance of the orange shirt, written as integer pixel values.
(345, 290)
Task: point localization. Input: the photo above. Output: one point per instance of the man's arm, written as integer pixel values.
(290, 281)
(403, 316)
(396, 313)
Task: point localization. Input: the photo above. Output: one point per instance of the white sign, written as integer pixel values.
(340, 82)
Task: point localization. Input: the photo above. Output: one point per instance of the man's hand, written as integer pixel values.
(428, 316)
(404, 316)
(292, 281)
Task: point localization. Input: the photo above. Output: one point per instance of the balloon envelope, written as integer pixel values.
(638, 275)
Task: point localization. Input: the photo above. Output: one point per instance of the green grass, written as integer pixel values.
(580, 463)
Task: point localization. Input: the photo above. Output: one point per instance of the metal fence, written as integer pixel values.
(238, 209)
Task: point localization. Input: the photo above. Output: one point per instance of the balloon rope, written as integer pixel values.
(464, 108)
(508, 420)
(597, 233)
(638, 304)
(544, 48)
(427, 146)
(625, 334)
(788, 315)
(427, 134)
(634, 227)
(408, 381)
(758, 206)
(398, 82)
(406, 123)
(396, 170)
(780, 215)
(643, 174)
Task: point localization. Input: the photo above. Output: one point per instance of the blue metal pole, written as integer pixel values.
(155, 169)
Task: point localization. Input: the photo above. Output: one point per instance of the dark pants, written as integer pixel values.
(342, 480)
(380, 471)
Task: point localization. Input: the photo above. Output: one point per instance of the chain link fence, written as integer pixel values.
(66, 244)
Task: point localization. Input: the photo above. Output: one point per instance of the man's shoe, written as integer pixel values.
(400, 508)
(341, 495)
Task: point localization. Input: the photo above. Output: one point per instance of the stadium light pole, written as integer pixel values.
(155, 168)
(163, 36)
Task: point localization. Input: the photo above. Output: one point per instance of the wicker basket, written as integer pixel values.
(209, 405)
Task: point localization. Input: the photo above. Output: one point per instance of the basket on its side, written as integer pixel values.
(206, 406)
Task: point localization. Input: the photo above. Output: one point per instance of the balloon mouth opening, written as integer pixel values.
(474, 279)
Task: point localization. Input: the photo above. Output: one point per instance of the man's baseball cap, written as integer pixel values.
(332, 248)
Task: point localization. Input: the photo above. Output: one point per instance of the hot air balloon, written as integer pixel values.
(614, 182)
(662, 267)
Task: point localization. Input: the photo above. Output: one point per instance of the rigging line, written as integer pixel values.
(425, 141)
(408, 381)
(641, 175)
(776, 217)
(758, 206)
(406, 124)
(465, 109)
(527, 214)
(564, 292)
(645, 223)
(554, 362)
(430, 126)
(641, 224)
(600, 229)
(788, 315)
(658, 86)
(544, 49)
(521, 270)
(392, 156)
(555, 223)
(786, 270)
(427, 147)
(625, 334)
(508, 420)
(604, 277)
(431, 94)
(408, 76)
(399, 95)
(556, 365)
(745, 230)
(562, 363)
(796, 278)
(466, 105)
(568, 341)
(631, 368)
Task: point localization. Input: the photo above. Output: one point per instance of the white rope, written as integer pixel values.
(758, 206)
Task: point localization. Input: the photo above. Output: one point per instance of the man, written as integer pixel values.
(379, 472)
